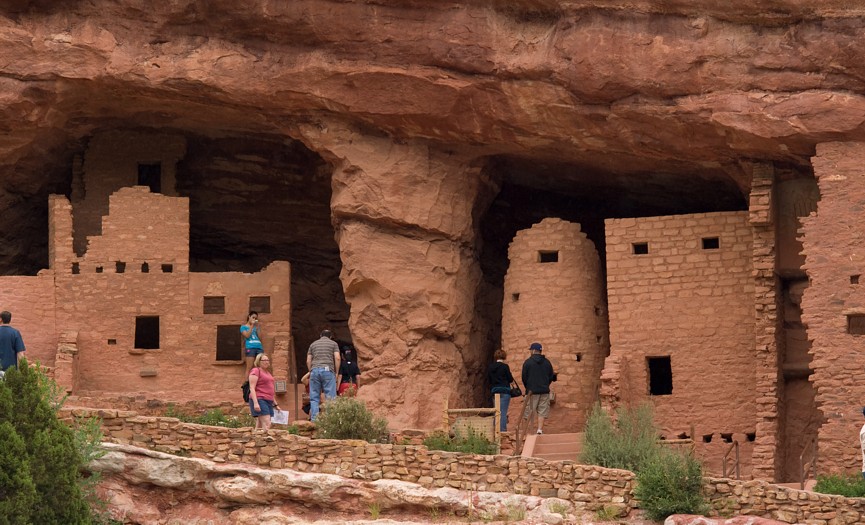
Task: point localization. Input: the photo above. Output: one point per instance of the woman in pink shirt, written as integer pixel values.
(261, 392)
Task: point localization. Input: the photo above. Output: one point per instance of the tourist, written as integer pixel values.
(862, 444)
(349, 372)
(262, 397)
(11, 344)
(322, 360)
(537, 375)
(305, 396)
(500, 379)
(251, 333)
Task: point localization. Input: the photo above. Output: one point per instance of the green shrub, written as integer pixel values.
(41, 452)
(625, 444)
(852, 486)
(471, 443)
(348, 418)
(670, 483)
(213, 417)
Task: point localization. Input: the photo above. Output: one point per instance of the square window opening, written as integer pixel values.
(548, 256)
(854, 279)
(660, 376)
(98, 269)
(515, 297)
(214, 305)
(640, 248)
(260, 304)
(147, 332)
(150, 175)
(228, 343)
(120, 267)
(856, 324)
(711, 243)
(167, 268)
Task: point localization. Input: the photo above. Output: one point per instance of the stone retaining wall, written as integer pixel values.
(588, 487)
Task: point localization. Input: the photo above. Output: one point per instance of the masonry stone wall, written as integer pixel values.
(673, 294)
(30, 299)
(553, 294)
(111, 162)
(833, 305)
(588, 487)
(85, 315)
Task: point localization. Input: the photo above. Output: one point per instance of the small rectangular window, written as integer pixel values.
(167, 268)
(856, 324)
(228, 343)
(660, 376)
(98, 269)
(548, 256)
(150, 175)
(147, 332)
(76, 269)
(260, 304)
(640, 248)
(119, 267)
(214, 305)
(711, 243)
(854, 279)
(145, 268)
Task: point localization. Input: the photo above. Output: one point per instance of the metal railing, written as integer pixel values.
(811, 467)
(734, 447)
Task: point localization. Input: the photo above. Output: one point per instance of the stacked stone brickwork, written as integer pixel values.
(833, 303)
(680, 287)
(554, 295)
(589, 487)
(82, 316)
(110, 163)
(766, 459)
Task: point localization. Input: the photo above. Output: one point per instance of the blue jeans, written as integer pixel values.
(320, 380)
(504, 403)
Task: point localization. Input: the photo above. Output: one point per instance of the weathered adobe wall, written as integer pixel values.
(31, 302)
(589, 487)
(110, 163)
(102, 307)
(694, 305)
(561, 305)
(834, 243)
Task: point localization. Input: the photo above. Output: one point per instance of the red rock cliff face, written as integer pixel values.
(413, 115)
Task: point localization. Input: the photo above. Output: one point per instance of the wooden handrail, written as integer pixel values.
(812, 464)
(523, 424)
(725, 472)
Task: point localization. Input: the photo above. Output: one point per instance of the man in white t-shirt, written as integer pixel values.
(862, 444)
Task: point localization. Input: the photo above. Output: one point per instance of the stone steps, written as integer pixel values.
(554, 447)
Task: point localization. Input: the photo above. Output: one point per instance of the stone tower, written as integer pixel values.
(554, 294)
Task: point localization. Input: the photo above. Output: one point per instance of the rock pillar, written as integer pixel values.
(405, 223)
(833, 305)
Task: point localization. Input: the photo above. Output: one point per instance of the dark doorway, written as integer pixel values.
(150, 175)
(660, 376)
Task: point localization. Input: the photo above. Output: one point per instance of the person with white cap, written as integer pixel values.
(537, 375)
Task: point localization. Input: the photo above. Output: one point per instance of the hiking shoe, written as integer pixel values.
(540, 431)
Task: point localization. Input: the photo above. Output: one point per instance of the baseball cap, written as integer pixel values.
(536, 346)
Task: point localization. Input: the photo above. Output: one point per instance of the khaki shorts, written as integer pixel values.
(539, 403)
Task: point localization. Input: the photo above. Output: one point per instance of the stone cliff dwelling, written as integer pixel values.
(667, 195)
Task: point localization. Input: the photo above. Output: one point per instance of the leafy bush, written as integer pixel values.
(471, 443)
(670, 483)
(852, 486)
(213, 417)
(348, 418)
(626, 444)
(42, 459)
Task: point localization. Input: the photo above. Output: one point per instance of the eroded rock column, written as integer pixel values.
(404, 220)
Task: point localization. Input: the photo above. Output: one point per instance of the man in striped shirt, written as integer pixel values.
(322, 360)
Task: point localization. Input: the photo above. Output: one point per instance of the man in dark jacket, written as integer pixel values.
(537, 375)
